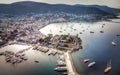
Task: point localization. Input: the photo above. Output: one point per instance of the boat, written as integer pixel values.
(102, 26)
(64, 73)
(91, 64)
(37, 61)
(2, 53)
(61, 63)
(60, 69)
(86, 60)
(113, 43)
(118, 35)
(101, 31)
(91, 32)
(60, 31)
(80, 32)
(108, 68)
(62, 57)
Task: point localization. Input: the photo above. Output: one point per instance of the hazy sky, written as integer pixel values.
(111, 3)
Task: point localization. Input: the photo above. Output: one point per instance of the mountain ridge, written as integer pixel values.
(58, 12)
(35, 7)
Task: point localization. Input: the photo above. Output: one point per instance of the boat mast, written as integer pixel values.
(109, 63)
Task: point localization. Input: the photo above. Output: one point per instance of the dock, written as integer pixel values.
(69, 63)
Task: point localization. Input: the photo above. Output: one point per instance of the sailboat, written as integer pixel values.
(108, 68)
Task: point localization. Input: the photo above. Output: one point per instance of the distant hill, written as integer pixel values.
(104, 8)
(26, 7)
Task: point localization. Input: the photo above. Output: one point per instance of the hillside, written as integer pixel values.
(34, 7)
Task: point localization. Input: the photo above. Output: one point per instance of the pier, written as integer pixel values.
(69, 63)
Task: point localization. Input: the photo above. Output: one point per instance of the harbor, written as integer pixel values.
(54, 52)
(51, 45)
(102, 38)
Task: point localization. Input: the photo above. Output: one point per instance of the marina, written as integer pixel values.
(66, 37)
(61, 44)
(54, 50)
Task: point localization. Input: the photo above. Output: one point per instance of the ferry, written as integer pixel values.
(91, 64)
(108, 68)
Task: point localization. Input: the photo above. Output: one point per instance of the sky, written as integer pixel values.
(110, 3)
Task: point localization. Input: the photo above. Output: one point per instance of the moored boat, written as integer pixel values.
(60, 69)
(108, 68)
(113, 43)
(86, 60)
(91, 64)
